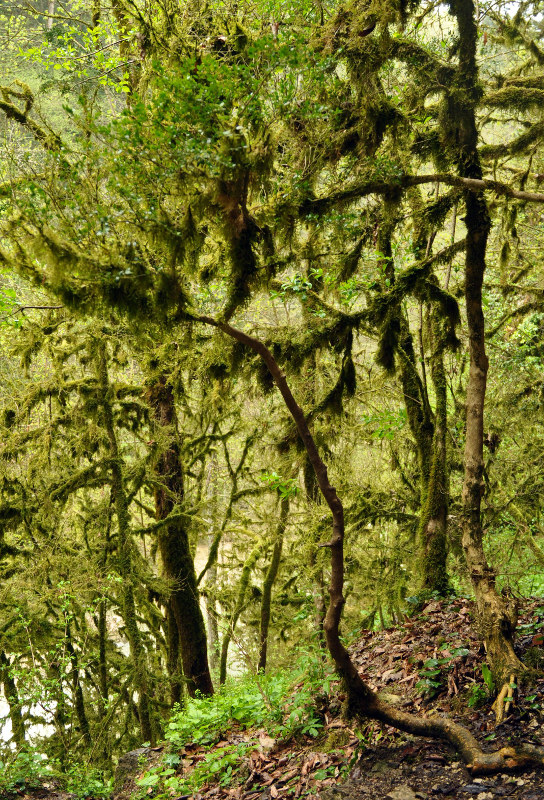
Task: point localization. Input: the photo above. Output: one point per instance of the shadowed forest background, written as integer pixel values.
(272, 368)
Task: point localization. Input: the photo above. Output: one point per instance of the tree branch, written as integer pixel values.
(323, 204)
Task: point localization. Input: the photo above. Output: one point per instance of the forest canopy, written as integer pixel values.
(272, 374)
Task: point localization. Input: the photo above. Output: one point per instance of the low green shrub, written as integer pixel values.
(21, 770)
(284, 705)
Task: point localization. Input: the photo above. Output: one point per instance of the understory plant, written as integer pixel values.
(281, 706)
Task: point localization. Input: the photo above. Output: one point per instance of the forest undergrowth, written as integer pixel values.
(287, 735)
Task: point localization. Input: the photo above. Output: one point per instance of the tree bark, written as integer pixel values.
(432, 551)
(434, 519)
(266, 600)
(497, 619)
(50, 14)
(124, 554)
(175, 550)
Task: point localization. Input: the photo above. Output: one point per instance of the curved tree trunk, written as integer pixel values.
(175, 551)
(363, 700)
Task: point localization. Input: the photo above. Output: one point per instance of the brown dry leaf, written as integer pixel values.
(288, 775)
(273, 791)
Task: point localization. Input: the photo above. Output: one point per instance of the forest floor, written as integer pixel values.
(430, 664)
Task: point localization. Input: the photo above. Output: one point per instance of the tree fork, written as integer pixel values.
(363, 701)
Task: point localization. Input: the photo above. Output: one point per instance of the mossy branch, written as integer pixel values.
(49, 139)
(357, 192)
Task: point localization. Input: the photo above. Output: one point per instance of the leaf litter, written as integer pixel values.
(430, 664)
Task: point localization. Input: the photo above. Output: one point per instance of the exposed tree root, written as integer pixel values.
(507, 759)
(502, 704)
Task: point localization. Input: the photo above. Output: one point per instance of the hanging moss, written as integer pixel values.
(388, 339)
(350, 263)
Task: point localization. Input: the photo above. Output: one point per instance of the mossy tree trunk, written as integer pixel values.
(434, 512)
(124, 552)
(12, 697)
(175, 550)
(238, 608)
(212, 626)
(496, 617)
(313, 495)
(428, 430)
(173, 658)
(268, 583)
(77, 690)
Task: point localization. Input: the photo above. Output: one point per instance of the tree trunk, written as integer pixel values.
(77, 691)
(431, 458)
(12, 697)
(268, 583)
(434, 519)
(50, 14)
(175, 673)
(497, 619)
(362, 699)
(212, 627)
(124, 554)
(175, 550)
(238, 608)
(316, 570)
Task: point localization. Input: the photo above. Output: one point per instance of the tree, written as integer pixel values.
(228, 171)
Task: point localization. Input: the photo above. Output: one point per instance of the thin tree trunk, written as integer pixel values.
(175, 550)
(50, 14)
(12, 697)
(434, 518)
(96, 13)
(266, 600)
(212, 627)
(432, 467)
(238, 608)
(124, 554)
(496, 617)
(318, 588)
(77, 691)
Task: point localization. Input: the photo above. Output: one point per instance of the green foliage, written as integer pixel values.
(434, 671)
(478, 694)
(385, 424)
(255, 142)
(22, 770)
(283, 703)
(286, 487)
(83, 781)
(488, 679)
